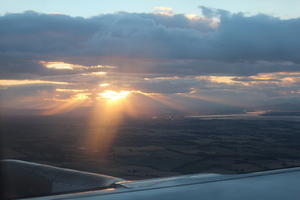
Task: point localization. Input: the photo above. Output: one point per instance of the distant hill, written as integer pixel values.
(282, 113)
(282, 107)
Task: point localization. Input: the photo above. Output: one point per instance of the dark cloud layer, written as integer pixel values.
(140, 42)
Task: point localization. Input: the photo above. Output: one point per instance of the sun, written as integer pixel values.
(114, 95)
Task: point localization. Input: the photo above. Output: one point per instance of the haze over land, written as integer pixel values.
(155, 148)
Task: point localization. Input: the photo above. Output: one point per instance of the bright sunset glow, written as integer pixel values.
(29, 82)
(69, 90)
(222, 79)
(95, 74)
(99, 73)
(81, 96)
(69, 66)
(57, 65)
(104, 84)
(192, 16)
(163, 11)
(113, 95)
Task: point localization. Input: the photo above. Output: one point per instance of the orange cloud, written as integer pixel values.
(163, 11)
(70, 66)
(69, 90)
(29, 82)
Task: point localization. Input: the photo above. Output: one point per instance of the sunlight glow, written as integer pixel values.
(95, 74)
(106, 118)
(222, 79)
(69, 90)
(29, 82)
(163, 11)
(113, 95)
(81, 96)
(192, 16)
(104, 84)
(70, 66)
(57, 65)
(68, 105)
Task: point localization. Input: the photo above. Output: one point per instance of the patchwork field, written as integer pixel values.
(160, 147)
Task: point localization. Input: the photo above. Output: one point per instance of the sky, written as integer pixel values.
(149, 57)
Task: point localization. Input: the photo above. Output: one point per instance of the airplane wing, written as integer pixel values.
(275, 184)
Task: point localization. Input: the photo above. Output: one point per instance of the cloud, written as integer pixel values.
(235, 43)
(29, 82)
(223, 57)
(167, 85)
(163, 11)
